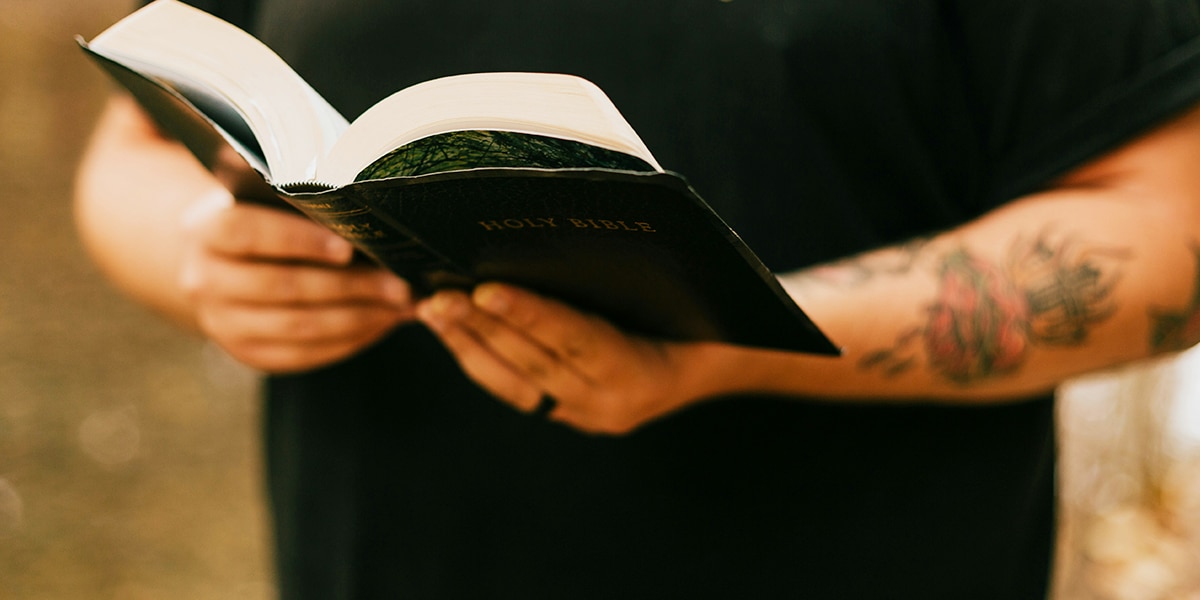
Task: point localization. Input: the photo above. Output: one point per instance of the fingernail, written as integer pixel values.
(492, 298)
(189, 278)
(445, 304)
(427, 315)
(204, 207)
(439, 310)
(396, 290)
(339, 249)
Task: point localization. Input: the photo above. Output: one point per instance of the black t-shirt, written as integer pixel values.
(818, 128)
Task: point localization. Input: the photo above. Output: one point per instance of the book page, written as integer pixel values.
(475, 149)
(210, 62)
(546, 104)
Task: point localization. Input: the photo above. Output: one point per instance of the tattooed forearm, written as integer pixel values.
(1171, 331)
(986, 317)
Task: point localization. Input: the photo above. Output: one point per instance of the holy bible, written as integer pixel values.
(534, 179)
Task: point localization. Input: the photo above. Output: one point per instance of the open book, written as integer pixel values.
(531, 178)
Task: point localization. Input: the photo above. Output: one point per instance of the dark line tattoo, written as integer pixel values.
(1067, 291)
(1178, 330)
(896, 360)
(986, 317)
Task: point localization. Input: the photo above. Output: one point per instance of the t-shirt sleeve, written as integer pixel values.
(1055, 84)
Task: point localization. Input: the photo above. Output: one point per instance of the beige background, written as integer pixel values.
(129, 452)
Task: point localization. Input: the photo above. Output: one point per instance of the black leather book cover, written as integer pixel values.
(641, 249)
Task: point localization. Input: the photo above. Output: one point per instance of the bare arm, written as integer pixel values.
(273, 288)
(1098, 270)
(133, 190)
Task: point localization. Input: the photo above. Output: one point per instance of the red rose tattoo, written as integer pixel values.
(979, 324)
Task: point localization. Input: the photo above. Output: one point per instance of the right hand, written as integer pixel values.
(278, 291)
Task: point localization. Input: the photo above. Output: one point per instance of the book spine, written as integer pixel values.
(423, 268)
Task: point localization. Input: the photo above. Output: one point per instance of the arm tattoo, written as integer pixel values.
(1065, 287)
(986, 316)
(1174, 331)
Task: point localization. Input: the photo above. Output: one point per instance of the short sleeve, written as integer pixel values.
(1055, 84)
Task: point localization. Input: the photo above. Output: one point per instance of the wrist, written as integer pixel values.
(711, 369)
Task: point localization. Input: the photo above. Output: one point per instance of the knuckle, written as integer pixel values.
(383, 285)
(285, 285)
(297, 325)
(363, 285)
(302, 242)
(310, 285)
(232, 234)
(523, 317)
(335, 323)
(539, 369)
(577, 345)
(482, 325)
(347, 322)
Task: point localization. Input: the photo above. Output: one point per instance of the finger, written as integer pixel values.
(279, 357)
(257, 324)
(250, 231)
(265, 282)
(580, 339)
(585, 418)
(484, 367)
(491, 373)
(580, 422)
(529, 358)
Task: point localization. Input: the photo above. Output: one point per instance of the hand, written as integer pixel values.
(521, 347)
(278, 291)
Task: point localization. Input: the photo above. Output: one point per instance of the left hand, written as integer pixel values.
(520, 346)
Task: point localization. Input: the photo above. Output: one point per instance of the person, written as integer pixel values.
(975, 199)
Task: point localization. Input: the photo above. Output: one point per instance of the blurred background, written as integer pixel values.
(129, 452)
